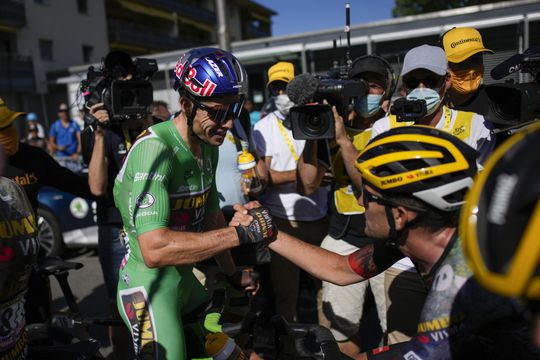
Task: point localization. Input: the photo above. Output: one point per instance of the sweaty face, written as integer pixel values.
(214, 118)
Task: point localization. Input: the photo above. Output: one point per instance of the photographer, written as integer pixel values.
(346, 230)
(302, 216)
(426, 79)
(464, 50)
(109, 145)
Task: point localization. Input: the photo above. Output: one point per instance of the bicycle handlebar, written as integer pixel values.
(311, 340)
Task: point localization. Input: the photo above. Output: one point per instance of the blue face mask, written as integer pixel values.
(367, 106)
(431, 97)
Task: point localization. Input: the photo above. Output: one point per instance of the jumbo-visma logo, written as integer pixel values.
(145, 200)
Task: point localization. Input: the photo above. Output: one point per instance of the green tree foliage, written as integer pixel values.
(415, 7)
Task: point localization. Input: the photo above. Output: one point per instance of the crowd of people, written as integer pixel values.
(380, 216)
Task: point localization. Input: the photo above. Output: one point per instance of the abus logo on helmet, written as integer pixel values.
(206, 89)
(214, 66)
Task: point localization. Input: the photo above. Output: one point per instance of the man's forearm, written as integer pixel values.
(97, 169)
(349, 154)
(281, 177)
(320, 263)
(309, 172)
(165, 247)
(224, 259)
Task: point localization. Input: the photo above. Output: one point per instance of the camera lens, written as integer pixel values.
(127, 97)
(315, 121)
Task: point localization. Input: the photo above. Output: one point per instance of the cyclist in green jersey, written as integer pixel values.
(167, 197)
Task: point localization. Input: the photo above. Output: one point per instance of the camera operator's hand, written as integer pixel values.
(254, 224)
(101, 114)
(341, 133)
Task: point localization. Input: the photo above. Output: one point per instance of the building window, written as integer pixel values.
(87, 52)
(82, 6)
(46, 49)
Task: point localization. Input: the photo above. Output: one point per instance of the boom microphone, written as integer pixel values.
(301, 90)
(507, 67)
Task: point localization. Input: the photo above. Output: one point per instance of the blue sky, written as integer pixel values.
(297, 16)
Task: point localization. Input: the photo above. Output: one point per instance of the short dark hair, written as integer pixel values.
(431, 219)
(161, 103)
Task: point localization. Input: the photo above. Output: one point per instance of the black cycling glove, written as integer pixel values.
(261, 230)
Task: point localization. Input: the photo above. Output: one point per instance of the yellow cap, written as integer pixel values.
(7, 116)
(215, 342)
(282, 71)
(462, 43)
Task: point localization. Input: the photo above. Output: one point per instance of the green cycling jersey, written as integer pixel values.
(161, 184)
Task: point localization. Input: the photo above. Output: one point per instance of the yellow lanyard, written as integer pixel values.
(230, 138)
(287, 140)
(127, 138)
(447, 119)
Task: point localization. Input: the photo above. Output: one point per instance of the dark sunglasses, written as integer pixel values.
(430, 81)
(221, 114)
(371, 197)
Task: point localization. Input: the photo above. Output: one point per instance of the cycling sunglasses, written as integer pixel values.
(430, 81)
(222, 113)
(371, 197)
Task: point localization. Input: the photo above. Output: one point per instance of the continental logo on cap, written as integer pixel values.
(463, 41)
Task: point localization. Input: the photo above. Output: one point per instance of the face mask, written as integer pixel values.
(431, 97)
(467, 81)
(283, 104)
(367, 106)
(9, 139)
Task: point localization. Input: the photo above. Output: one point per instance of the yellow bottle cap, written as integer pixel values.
(215, 342)
(245, 160)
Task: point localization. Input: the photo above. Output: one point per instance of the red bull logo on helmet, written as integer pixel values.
(191, 83)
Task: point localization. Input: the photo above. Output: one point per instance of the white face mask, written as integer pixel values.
(283, 104)
(430, 96)
(368, 105)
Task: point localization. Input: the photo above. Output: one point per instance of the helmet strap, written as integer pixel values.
(398, 238)
(190, 119)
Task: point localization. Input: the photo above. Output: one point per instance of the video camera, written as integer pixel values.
(310, 118)
(511, 105)
(409, 110)
(122, 98)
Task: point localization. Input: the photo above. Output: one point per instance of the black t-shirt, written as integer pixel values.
(115, 151)
(33, 168)
(349, 228)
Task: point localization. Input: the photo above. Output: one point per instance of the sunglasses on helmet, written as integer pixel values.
(222, 113)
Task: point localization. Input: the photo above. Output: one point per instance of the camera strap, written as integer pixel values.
(287, 140)
(127, 138)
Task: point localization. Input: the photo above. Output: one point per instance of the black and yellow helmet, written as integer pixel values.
(500, 223)
(420, 161)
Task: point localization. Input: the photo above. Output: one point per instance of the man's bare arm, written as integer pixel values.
(309, 172)
(98, 166)
(279, 177)
(166, 247)
(224, 259)
(320, 263)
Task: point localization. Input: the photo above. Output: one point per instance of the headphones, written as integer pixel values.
(391, 82)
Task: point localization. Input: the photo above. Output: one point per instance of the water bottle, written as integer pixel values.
(248, 167)
(220, 347)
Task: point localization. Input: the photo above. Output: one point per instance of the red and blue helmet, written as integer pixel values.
(210, 72)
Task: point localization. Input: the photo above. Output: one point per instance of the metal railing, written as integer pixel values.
(183, 9)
